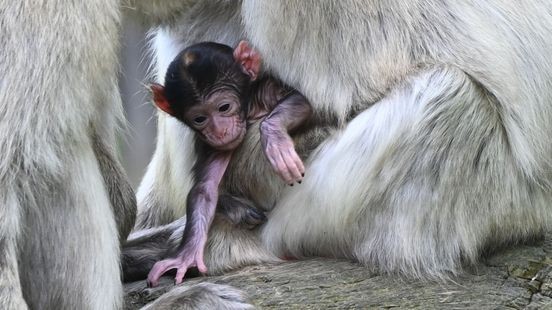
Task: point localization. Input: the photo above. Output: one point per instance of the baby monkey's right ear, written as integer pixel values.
(159, 98)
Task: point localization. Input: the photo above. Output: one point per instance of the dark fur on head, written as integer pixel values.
(201, 69)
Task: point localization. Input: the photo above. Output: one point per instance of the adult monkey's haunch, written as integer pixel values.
(447, 151)
(64, 199)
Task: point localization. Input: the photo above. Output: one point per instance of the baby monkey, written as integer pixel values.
(216, 90)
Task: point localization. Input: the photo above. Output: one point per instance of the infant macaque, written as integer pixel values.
(215, 90)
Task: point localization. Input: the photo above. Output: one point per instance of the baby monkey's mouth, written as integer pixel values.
(232, 144)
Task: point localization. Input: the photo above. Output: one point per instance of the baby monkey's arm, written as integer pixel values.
(289, 114)
(200, 209)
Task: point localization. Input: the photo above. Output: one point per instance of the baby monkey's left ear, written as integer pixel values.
(248, 58)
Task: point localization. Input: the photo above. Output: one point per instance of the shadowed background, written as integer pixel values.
(138, 142)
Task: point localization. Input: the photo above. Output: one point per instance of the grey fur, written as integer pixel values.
(448, 148)
(201, 296)
(239, 212)
(121, 194)
(61, 187)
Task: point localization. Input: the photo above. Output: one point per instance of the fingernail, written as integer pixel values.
(299, 182)
(302, 174)
(291, 184)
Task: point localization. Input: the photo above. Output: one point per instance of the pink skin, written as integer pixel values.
(289, 113)
(224, 133)
(249, 59)
(280, 152)
(222, 127)
(202, 202)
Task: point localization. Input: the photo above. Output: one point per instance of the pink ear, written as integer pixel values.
(159, 98)
(248, 58)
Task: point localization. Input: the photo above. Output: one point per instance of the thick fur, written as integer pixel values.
(449, 156)
(61, 186)
(121, 194)
(158, 11)
(201, 296)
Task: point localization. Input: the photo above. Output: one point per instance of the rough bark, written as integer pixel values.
(519, 277)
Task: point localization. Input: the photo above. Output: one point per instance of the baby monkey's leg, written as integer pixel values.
(240, 212)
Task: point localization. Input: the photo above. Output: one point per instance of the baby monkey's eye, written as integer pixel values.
(225, 107)
(200, 120)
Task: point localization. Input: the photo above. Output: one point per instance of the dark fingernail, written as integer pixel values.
(302, 174)
(291, 184)
(299, 182)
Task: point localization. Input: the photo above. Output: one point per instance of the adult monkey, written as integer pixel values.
(451, 156)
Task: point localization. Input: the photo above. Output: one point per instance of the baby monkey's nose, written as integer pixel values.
(222, 133)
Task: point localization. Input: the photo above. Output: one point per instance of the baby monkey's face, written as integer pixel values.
(219, 120)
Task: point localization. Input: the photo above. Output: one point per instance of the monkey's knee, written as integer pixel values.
(239, 212)
(123, 203)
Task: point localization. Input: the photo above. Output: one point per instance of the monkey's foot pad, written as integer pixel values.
(519, 278)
